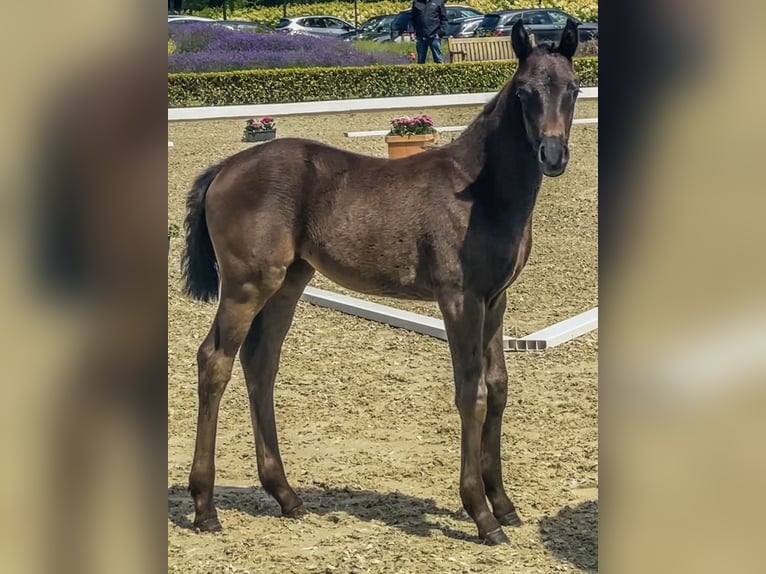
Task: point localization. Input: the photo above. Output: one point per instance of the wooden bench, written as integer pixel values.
(480, 49)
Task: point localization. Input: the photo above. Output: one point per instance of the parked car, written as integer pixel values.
(322, 26)
(373, 29)
(464, 27)
(190, 18)
(245, 26)
(545, 24)
(237, 25)
(456, 14)
(176, 21)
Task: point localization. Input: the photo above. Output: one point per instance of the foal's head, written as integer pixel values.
(547, 87)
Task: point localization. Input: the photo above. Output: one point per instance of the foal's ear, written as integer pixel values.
(569, 39)
(520, 40)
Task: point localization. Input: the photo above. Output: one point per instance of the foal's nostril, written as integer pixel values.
(541, 153)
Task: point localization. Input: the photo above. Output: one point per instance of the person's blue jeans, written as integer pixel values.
(434, 44)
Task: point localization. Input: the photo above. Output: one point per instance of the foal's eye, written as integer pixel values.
(523, 93)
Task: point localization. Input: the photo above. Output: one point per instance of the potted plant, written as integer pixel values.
(409, 136)
(260, 130)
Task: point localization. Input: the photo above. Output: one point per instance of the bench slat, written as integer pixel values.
(480, 49)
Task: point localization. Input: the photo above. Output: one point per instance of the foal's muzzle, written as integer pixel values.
(553, 155)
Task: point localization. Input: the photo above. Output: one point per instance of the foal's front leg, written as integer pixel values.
(464, 321)
(496, 377)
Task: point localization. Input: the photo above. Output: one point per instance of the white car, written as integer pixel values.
(178, 22)
(322, 26)
(174, 16)
(185, 19)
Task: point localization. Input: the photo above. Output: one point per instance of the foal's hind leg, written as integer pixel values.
(260, 361)
(496, 376)
(240, 302)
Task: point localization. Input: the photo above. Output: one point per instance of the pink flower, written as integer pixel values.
(405, 125)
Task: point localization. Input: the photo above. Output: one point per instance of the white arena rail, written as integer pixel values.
(339, 106)
(372, 133)
(546, 338)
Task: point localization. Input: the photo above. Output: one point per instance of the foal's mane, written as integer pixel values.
(487, 120)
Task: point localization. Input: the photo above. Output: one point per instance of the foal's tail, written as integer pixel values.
(199, 265)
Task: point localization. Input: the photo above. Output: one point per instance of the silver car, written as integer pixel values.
(322, 26)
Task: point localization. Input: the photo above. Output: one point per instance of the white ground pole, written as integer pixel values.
(372, 133)
(546, 338)
(356, 105)
(170, 144)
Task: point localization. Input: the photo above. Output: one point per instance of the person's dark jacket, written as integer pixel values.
(429, 18)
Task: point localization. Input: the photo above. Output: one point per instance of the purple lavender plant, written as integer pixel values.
(212, 49)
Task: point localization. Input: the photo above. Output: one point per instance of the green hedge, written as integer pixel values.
(317, 84)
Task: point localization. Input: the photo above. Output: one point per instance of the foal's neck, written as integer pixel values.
(498, 159)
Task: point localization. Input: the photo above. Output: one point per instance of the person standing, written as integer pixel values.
(429, 19)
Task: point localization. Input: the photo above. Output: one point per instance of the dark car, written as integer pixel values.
(545, 24)
(372, 29)
(401, 25)
(457, 12)
(456, 15)
(464, 27)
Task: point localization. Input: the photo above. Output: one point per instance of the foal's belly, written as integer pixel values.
(379, 273)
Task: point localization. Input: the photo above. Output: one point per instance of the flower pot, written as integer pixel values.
(404, 146)
(260, 136)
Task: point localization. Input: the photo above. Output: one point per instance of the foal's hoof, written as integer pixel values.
(510, 519)
(496, 538)
(296, 512)
(208, 525)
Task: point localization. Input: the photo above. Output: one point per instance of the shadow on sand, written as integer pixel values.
(572, 535)
(413, 515)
